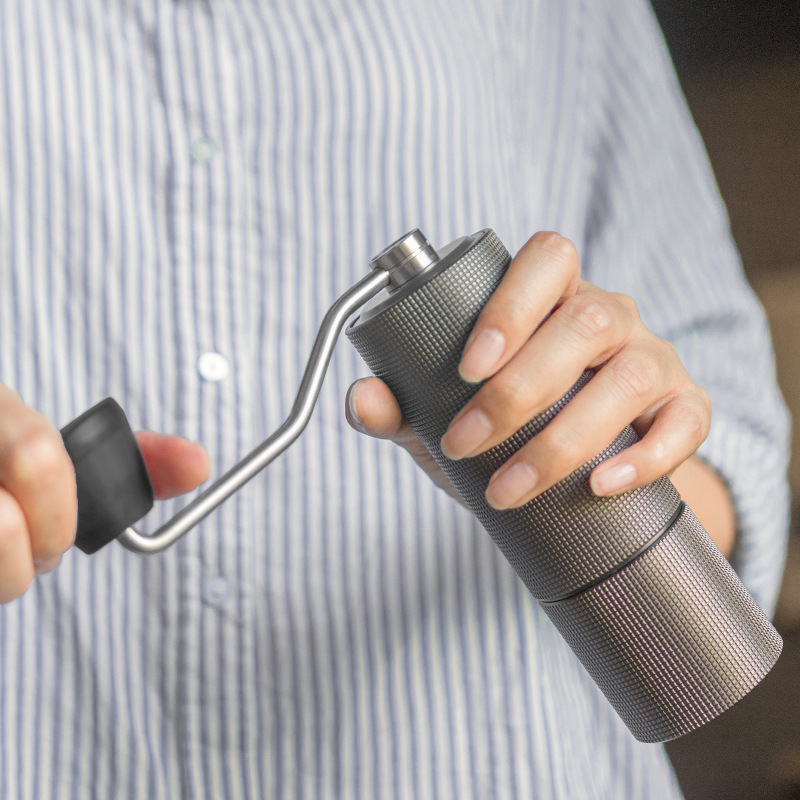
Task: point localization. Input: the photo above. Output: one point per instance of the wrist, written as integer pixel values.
(706, 493)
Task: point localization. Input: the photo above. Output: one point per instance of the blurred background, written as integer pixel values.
(739, 65)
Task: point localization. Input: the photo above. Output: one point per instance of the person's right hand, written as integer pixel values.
(38, 496)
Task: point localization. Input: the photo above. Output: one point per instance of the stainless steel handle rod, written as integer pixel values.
(298, 418)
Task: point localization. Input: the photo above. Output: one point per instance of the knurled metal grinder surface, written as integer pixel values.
(565, 540)
(719, 644)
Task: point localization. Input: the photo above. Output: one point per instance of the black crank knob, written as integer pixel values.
(114, 489)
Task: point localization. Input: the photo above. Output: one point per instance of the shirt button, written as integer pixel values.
(203, 150)
(213, 366)
(216, 591)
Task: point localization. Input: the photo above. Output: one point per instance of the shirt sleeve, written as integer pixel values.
(657, 229)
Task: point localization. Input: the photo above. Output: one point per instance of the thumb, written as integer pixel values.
(175, 464)
(372, 409)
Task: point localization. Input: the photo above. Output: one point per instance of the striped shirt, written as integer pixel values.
(181, 178)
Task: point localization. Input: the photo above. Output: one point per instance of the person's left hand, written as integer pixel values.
(531, 359)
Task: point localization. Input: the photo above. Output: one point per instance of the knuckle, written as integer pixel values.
(12, 524)
(587, 317)
(37, 456)
(15, 587)
(561, 447)
(508, 393)
(556, 244)
(704, 400)
(58, 540)
(628, 304)
(696, 424)
(636, 375)
(513, 318)
(667, 351)
(658, 456)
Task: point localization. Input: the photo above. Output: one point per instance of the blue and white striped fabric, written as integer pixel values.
(182, 177)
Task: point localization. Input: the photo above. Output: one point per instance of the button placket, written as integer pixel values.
(213, 367)
(203, 150)
(216, 591)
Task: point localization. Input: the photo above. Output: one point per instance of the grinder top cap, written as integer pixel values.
(411, 262)
(406, 257)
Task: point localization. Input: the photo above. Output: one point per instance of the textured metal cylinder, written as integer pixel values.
(568, 545)
(673, 639)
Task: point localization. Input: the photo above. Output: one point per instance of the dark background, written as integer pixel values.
(739, 65)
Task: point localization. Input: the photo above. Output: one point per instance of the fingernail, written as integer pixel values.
(612, 480)
(469, 432)
(481, 355)
(44, 565)
(350, 409)
(510, 484)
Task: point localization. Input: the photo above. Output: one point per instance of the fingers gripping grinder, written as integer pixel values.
(633, 583)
